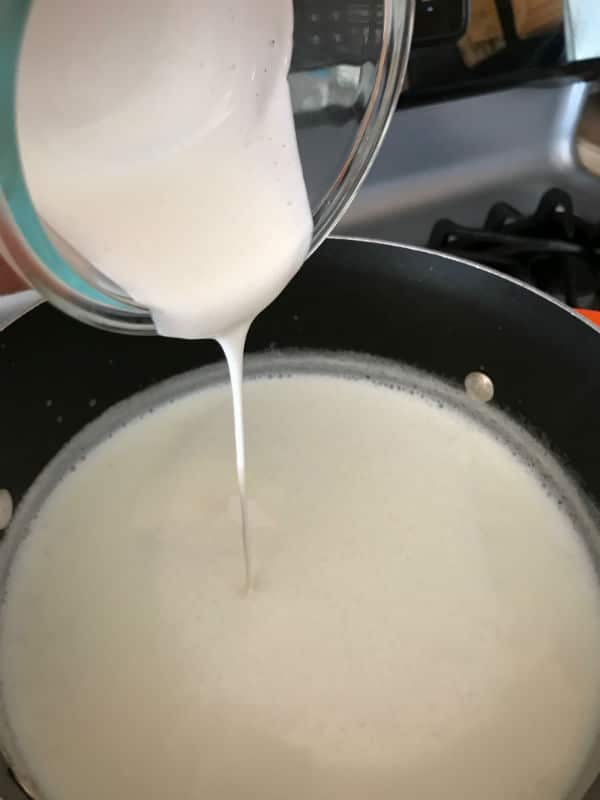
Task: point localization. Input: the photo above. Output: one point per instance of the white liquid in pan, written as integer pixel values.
(426, 621)
(158, 139)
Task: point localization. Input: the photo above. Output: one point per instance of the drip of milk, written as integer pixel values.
(426, 623)
(158, 139)
(233, 347)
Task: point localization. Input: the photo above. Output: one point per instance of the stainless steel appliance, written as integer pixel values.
(493, 121)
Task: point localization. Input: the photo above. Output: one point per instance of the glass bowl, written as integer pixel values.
(348, 66)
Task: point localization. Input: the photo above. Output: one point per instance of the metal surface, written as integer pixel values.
(582, 24)
(479, 386)
(457, 159)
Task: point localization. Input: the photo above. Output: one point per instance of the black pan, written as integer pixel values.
(432, 312)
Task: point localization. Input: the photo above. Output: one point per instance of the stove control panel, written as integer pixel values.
(439, 21)
(329, 32)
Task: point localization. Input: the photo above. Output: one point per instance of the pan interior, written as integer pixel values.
(552, 477)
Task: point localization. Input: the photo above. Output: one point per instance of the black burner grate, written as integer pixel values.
(552, 249)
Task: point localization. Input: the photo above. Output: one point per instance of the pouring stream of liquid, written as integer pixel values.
(233, 347)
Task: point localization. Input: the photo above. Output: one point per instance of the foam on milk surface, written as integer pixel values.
(426, 622)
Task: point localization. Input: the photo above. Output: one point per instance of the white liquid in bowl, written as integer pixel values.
(158, 139)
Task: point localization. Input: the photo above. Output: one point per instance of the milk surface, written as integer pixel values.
(425, 622)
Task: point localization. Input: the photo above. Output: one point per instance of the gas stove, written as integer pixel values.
(494, 153)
